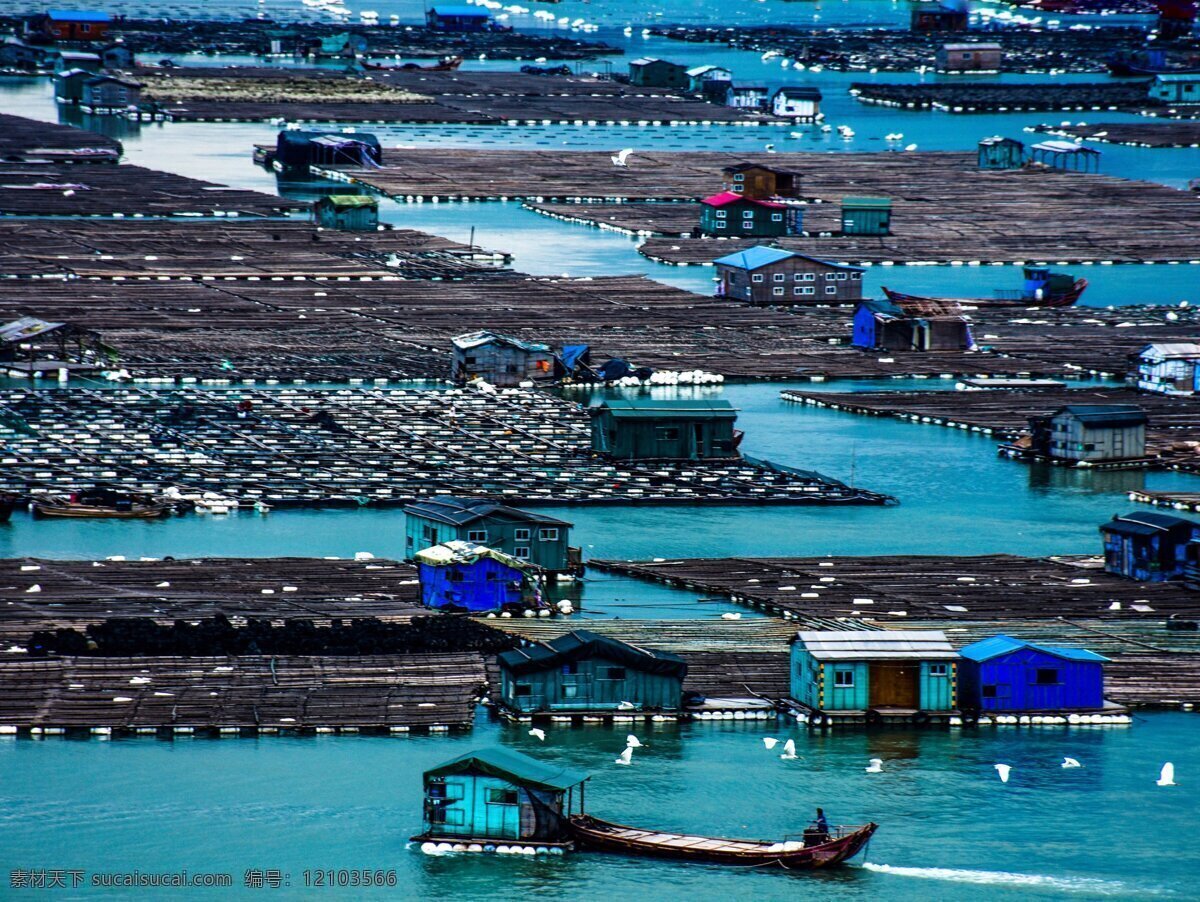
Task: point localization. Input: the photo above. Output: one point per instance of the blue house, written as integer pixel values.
(1148, 546)
(457, 18)
(888, 325)
(1004, 674)
(462, 576)
(497, 794)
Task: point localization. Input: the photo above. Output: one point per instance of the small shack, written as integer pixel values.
(29, 345)
(728, 214)
(107, 93)
(534, 539)
(1003, 674)
(463, 576)
(866, 216)
(977, 57)
(499, 359)
(349, 212)
(68, 85)
(892, 672)
(801, 104)
(70, 24)
(1090, 432)
(76, 59)
(1001, 153)
(747, 97)
(498, 795)
(1065, 155)
(1148, 546)
(1177, 88)
(768, 275)
(650, 72)
(759, 182)
(457, 18)
(586, 672)
(929, 17)
(700, 76)
(664, 430)
(295, 151)
(347, 44)
(16, 54)
(116, 56)
(1168, 368)
(887, 325)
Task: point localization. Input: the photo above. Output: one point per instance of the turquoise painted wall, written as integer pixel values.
(938, 692)
(816, 684)
(590, 688)
(474, 808)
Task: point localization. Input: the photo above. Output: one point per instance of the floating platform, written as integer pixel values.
(1177, 133)
(994, 97)
(25, 140)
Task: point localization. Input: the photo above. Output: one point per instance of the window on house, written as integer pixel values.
(780, 277)
(720, 225)
(988, 691)
(831, 289)
(841, 277)
(521, 535)
(739, 177)
(614, 673)
(548, 535)
(830, 277)
(748, 224)
(778, 292)
(843, 679)
(521, 553)
(721, 214)
(457, 576)
(808, 289)
(1046, 676)
(570, 690)
(503, 797)
(810, 277)
(939, 669)
(453, 817)
(757, 277)
(436, 790)
(776, 217)
(797, 290)
(522, 690)
(667, 433)
(408, 541)
(747, 214)
(477, 535)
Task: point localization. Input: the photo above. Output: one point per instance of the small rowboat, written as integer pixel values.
(445, 64)
(601, 836)
(1066, 299)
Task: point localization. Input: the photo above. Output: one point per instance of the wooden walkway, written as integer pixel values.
(981, 96)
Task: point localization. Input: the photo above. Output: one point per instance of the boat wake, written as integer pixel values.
(1092, 885)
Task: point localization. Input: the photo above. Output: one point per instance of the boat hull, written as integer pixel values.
(596, 835)
(1062, 300)
(90, 511)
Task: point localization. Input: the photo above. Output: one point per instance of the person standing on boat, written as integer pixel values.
(822, 825)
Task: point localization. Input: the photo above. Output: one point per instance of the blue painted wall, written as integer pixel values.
(486, 585)
(864, 328)
(480, 806)
(1079, 684)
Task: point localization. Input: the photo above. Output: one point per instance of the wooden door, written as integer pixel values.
(895, 685)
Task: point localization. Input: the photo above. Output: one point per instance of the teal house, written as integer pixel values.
(887, 671)
(531, 538)
(866, 216)
(583, 671)
(496, 795)
(664, 430)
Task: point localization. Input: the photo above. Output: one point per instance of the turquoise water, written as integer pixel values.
(949, 828)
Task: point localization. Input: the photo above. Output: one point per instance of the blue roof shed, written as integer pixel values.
(78, 15)
(1147, 545)
(1004, 674)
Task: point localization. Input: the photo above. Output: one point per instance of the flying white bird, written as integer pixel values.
(622, 158)
(626, 757)
(1071, 762)
(1167, 777)
(876, 766)
(1003, 770)
(540, 734)
(770, 742)
(789, 750)
(632, 742)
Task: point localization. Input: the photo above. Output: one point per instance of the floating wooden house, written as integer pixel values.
(664, 430)
(1148, 546)
(759, 182)
(457, 18)
(68, 85)
(70, 24)
(1003, 674)
(891, 326)
(1167, 368)
(109, 94)
(65, 60)
(1090, 432)
(747, 97)
(1178, 88)
(347, 44)
(976, 57)
(116, 56)
(699, 76)
(907, 673)
(348, 212)
(586, 672)
(1066, 155)
(650, 72)
(1001, 153)
(866, 216)
(18, 54)
(801, 104)
(728, 214)
(531, 538)
(768, 275)
(499, 359)
(296, 151)
(928, 17)
(463, 576)
(498, 796)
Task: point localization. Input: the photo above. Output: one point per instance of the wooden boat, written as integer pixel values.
(1014, 299)
(445, 64)
(601, 836)
(102, 507)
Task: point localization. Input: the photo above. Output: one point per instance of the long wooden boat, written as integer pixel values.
(1066, 299)
(602, 836)
(100, 511)
(445, 64)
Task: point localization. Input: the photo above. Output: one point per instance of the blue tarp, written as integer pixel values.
(571, 355)
(480, 587)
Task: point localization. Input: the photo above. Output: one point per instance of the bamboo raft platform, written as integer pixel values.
(989, 97)
(76, 594)
(1182, 501)
(1132, 134)
(945, 209)
(25, 140)
(1172, 435)
(240, 695)
(380, 447)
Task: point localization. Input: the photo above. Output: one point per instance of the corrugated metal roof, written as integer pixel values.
(1179, 350)
(512, 766)
(78, 15)
(700, 70)
(351, 200)
(583, 644)
(986, 649)
(754, 257)
(653, 409)
(1147, 523)
(478, 339)
(878, 645)
(866, 203)
(25, 328)
(459, 552)
(1063, 147)
(473, 12)
(729, 197)
(979, 46)
(462, 511)
(1105, 414)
